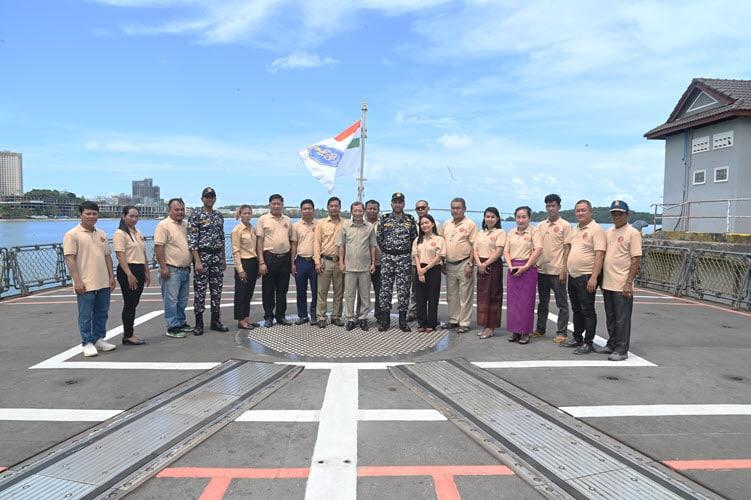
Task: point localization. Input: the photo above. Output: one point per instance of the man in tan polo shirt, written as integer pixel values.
(174, 257)
(274, 231)
(87, 255)
(584, 267)
(303, 265)
(552, 268)
(460, 235)
(357, 245)
(326, 258)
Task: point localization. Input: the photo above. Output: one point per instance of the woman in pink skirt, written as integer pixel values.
(523, 246)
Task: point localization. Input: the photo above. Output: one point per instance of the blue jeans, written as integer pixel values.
(93, 310)
(306, 272)
(175, 296)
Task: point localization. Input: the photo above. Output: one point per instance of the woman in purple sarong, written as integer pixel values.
(523, 246)
(487, 254)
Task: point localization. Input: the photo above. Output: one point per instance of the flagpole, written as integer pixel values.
(363, 136)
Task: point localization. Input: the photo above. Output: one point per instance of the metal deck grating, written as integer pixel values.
(121, 453)
(560, 456)
(311, 343)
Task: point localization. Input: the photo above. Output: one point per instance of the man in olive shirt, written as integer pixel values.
(303, 265)
(174, 257)
(274, 232)
(460, 235)
(552, 273)
(357, 244)
(326, 258)
(584, 267)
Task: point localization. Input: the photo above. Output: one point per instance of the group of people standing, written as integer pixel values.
(349, 256)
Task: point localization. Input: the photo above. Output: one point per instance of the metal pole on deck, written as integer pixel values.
(363, 136)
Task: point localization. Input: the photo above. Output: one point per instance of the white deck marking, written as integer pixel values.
(655, 410)
(56, 415)
(333, 470)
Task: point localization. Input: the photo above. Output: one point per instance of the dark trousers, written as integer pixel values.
(545, 283)
(375, 279)
(426, 297)
(583, 308)
(130, 297)
(618, 309)
(244, 291)
(274, 286)
(306, 273)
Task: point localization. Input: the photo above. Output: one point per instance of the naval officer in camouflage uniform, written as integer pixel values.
(396, 232)
(206, 243)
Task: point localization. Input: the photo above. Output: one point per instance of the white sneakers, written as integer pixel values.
(103, 345)
(90, 349)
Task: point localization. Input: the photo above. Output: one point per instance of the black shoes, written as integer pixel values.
(130, 341)
(584, 349)
(617, 356)
(283, 322)
(322, 323)
(599, 349)
(301, 321)
(350, 326)
(403, 326)
(385, 322)
(337, 322)
(198, 329)
(268, 323)
(216, 323)
(449, 326)
(363, 324)
(249, 326)
(572, 343)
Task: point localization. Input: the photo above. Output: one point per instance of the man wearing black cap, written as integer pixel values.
(395, 234)
(622, 259)
(206, 243)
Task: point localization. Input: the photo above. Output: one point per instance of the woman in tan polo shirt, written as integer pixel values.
(523, 246)
(132, 269)
(243, 238)
(487, 254)
(428, 252)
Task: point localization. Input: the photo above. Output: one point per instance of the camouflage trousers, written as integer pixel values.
(213, 277)
(395, 268)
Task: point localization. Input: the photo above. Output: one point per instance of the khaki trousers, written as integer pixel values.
(330, 275)
(356, 284)
(460, 291)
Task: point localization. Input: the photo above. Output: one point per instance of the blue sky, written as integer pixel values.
(500, 102)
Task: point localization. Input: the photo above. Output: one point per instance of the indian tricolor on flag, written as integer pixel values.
(334, 157)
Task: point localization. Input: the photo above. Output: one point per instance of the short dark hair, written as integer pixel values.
(276, 196)
(87, 205)
(586, 202)
(373, 202)
(459, 200)
(492, 210)
(179, 200)
(525, 208)
(356, 203)
(333, 198)
(552, 197)
(307, 201)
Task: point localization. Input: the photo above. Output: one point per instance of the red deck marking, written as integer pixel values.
(696, 303)
(216, 488)
(3, 468)
(708, 464)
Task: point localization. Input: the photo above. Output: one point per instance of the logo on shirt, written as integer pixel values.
(585, 235)
(556, 229)
(102, 239)
(526, 238)
(492, 238)
(433, 244)
(620, 239)
(461, 229)
(286, 226)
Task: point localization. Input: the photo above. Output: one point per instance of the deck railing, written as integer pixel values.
(731, 215)
(723, 277)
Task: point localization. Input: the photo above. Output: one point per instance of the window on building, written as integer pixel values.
(700, 177)
(721, 174)
(702, 101)
(700, 144)
(722, 140)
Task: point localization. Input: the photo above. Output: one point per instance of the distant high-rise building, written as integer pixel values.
(145, 191)
(11, 173)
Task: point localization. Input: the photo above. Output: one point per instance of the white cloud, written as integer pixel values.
(300, 60)
(455, 141)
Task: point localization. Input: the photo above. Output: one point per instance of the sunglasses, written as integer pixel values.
(421, 208)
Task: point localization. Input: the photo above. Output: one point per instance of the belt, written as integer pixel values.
(332, 259)
(277, 255)
(178, 267)
(396, 252)
(309, 259)
(454, 263)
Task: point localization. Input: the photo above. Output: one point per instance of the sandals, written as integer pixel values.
(487, 334)
(462, 329)
(513, 337)
(524, 339)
